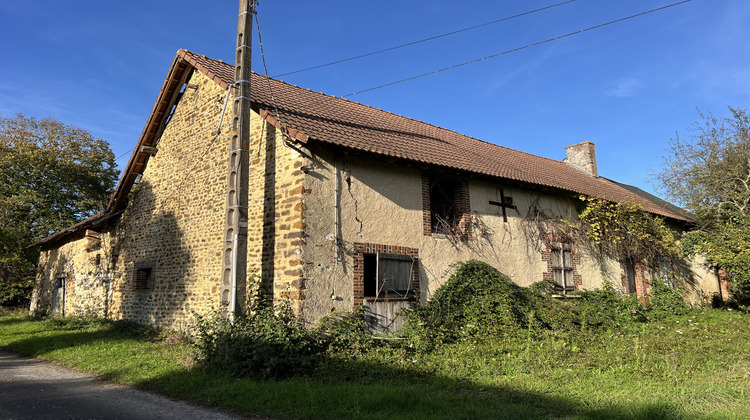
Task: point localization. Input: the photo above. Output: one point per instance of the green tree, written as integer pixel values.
(52, 175)
(709, 174)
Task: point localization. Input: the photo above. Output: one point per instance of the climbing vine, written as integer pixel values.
(625, 230)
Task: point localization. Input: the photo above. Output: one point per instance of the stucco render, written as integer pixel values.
(381, 203)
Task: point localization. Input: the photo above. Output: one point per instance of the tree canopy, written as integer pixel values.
(709, 174)
(52, 175)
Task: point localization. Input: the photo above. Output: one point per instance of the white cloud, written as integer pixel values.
(625, 88)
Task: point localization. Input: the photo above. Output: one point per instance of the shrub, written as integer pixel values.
(16, 293)
(477, 302)
(606, 309)
(269, 342)
(665, 300)
(344, 331)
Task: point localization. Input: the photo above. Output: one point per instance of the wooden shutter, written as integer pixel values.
(395, 273)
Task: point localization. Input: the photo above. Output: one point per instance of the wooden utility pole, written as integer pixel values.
(234, 259)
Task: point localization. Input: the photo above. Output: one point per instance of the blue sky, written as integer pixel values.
(628, 87)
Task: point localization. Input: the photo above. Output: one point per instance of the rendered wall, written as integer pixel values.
(381, 203)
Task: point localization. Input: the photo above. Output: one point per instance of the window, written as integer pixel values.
(143, 277)
(561, 263)
(388, 275)
(445, 202)
(666, 272)
(444, 212)
(629, 282)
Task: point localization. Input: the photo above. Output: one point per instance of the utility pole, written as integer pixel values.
(234, 258)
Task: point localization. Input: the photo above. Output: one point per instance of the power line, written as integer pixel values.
(517, 49)
(423, 40)
(124, 154)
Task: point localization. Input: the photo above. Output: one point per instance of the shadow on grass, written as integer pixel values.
(352, 389)
(39, 345)
(363, 390)
(4, 322)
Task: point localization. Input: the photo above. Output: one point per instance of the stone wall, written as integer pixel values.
(163, 254)
(75, 279)
(172, 226)
(275, 214)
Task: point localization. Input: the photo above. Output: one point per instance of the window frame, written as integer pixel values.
(458, 221)
(562, 267)
(382, 291)
(365, 275)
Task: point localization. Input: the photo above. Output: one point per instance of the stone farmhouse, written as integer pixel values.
(349, 205)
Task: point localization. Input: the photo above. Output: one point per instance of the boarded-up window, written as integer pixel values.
(388, 275)
(562, 266)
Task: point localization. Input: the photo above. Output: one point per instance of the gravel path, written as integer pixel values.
(32, 389)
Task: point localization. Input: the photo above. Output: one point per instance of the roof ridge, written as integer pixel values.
(382, 110)
(368, 128)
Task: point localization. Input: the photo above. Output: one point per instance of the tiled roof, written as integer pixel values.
(336, 121)
(308, 116)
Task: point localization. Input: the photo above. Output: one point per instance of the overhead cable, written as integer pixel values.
(423, 40)
(516, 49)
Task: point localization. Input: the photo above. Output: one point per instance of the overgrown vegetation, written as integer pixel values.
(598, 356)
(477, 305)
(625, 231)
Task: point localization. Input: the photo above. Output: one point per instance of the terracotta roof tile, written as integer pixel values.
(340, 122)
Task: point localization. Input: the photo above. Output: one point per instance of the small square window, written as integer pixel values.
(143, 276)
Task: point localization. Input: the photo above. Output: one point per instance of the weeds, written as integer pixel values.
(600, 356)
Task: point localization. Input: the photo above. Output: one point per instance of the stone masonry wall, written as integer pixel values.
(173, 225)
(275, 221)
(170, 235)
(84, 266)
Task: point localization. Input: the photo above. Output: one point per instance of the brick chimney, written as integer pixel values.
(582, 157)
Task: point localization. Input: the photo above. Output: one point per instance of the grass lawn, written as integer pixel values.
(692, 366)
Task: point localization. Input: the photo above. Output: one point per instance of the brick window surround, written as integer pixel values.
(359, 251)
(460, 202)
(634, 279)
(553, 263)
